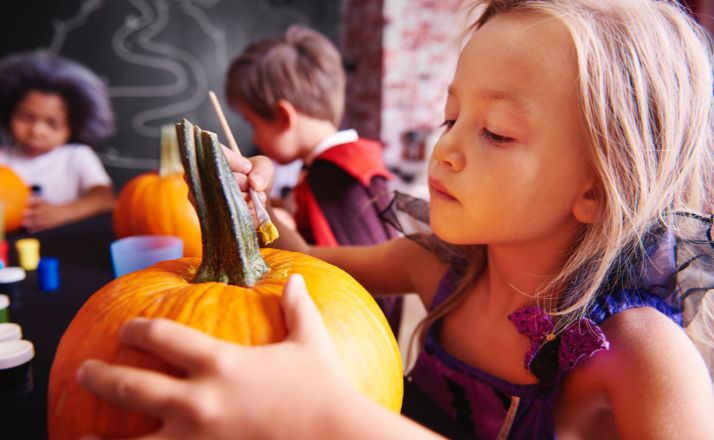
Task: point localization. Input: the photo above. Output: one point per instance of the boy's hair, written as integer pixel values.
(645, 89)
(89, 111)
(301, 67)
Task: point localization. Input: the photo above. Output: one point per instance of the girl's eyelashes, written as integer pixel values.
(489, 136)
(494, 138)
(447, 124)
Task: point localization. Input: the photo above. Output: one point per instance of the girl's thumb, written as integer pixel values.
(303, 320)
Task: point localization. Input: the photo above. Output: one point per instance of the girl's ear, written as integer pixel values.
(588, 204)
(287, 114)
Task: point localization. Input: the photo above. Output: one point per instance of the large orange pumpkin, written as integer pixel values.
(14, 195)
(157, 203)
(233, 293)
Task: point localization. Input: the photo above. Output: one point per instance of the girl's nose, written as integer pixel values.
(447, 152)
(37, 128)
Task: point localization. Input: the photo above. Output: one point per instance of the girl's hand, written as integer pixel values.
(41, 215)
(285, 390)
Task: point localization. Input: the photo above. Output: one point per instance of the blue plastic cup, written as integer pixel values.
(48, 274)
(135, 253)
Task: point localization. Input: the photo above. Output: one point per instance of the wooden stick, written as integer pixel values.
(224, 123)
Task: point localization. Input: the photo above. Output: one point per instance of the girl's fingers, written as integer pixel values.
(189, 349)
(303, 320)
(145, 391)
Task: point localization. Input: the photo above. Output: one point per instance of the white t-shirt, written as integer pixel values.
(64, 173)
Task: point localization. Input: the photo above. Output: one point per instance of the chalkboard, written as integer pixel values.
(158, 57)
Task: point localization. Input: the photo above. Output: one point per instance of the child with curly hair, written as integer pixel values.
(53, 109)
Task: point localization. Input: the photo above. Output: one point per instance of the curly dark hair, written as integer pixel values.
(91, 118)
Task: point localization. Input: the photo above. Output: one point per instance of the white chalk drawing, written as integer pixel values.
(63, 28)
(136, 42)
(147, 35)
(119, 159)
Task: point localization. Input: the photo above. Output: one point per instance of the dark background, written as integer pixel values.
(159, 57)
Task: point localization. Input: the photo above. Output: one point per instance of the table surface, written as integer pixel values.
(85, 265)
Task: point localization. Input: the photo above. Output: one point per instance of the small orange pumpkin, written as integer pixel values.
(157, 203)
(14, 195)
(233, 294)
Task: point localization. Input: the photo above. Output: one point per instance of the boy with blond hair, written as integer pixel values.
(291, 90)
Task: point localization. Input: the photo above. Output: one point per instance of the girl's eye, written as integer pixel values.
(495, 138)
(447, 124)
(23, 116)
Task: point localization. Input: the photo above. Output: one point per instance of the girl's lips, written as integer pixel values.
(31, 150)
(439, 190)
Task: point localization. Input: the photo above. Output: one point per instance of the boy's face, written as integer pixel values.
(40, 123)
(274, 138)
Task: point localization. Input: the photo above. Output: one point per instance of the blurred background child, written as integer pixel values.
(52, 109)
(291, 91)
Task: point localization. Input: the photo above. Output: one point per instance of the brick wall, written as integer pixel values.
(420, 53)
(403, 54)
(363, 24)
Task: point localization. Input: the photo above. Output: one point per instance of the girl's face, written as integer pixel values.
(40, 123)
(512, 160)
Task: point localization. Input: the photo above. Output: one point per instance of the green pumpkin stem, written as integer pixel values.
(231, 253)
(169, 160)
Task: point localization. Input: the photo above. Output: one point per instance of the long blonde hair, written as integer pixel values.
(645, 88)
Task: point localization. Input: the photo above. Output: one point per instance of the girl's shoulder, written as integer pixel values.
(644, 339)
(651, 374)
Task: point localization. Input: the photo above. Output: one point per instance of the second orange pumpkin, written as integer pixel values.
(157, 203)
(14, 196)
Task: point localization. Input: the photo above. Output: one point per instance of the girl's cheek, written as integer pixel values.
(432, 164)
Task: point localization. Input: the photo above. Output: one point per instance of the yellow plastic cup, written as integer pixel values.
(28, 253)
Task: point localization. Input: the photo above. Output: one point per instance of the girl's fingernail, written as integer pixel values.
(81, 371)
(257, 181)
(244, 165)
(135, 320)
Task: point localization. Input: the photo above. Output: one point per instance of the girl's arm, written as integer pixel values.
(42, 215)
(653, 379)
(232, 392)
(396, 266)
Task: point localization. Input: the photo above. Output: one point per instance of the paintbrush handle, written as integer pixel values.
(260, 212)
(224, 123)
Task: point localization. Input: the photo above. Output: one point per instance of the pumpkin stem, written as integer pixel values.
(170, 160)
(230, 243)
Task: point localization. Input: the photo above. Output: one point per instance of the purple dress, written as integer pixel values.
(460, 401)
